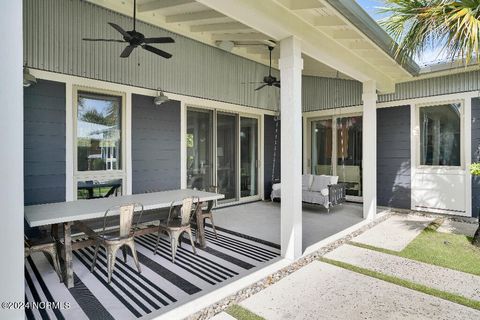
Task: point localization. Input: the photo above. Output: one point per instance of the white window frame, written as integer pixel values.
(416, 125)
(99, 174)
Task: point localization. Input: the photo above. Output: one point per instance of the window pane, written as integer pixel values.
(92, 189)
(98, 132)
(227, 156)
(199, 149)
(349, 154)
(440, 135)
(249, 157)
(322, 147)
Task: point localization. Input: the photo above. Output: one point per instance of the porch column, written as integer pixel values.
(369, 144)
(11, 161)
(291, 65)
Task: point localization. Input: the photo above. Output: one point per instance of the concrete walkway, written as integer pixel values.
(323, 291)
(443, 279)
(394, 233)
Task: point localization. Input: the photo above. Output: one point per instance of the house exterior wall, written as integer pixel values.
(53, 32)
(269, 144)
(155, 145)
(44, 142)
(393, 157)
(475, 155)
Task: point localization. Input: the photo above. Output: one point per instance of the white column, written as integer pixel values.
(291, 65)
(11, 161)
(369, 144)
(183, 145)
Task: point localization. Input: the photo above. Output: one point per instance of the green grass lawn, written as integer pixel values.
(447, 250)
(241, 313)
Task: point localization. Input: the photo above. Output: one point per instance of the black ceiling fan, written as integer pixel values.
(269, 80)
(135, 39)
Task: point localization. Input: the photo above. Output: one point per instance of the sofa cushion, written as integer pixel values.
(319, 183)
(333, 179)
(306, 181)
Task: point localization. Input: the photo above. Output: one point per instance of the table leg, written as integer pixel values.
(200, 235)
(67, 246)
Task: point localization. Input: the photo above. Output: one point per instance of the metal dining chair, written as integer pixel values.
(207, 213)
(175, 226)
(121, 237)
(46, 245)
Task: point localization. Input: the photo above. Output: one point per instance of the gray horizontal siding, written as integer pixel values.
(453, 83)
(326, 93)
(53, 32)
(393, 157)
(475, 155)
(44, 145)
(155, 145)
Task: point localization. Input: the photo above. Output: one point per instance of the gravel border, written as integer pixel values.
(245, 293)
(455, 218)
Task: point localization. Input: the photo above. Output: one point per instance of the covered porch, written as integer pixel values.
(158, 147)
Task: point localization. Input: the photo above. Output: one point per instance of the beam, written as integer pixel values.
(329, 21)
(195, 16)
(347, 35)
(11, 162)
(253, 36)
(369, 138)
(361, 45)
(161, 4)
(302, 4)
(291, 65)
(227, 26)
(278, 22)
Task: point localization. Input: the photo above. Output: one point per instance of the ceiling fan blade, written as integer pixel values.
(162, 53)
(262, 86)
(277, 84)
(119, 29)
(126, 52)
(159, 40)
(107, 40)
(252, 82)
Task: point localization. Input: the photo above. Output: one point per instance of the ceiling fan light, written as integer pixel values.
(160, 98)
(28, 79)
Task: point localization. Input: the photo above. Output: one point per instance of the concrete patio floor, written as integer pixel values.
(262, 220)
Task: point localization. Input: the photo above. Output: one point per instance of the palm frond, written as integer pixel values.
(417, 25)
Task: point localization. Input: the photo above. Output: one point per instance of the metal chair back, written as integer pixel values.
(186, 210)
(125, 214)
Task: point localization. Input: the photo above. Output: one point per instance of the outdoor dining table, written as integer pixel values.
(74, 212)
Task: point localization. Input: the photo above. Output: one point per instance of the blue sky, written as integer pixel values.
(371, 6)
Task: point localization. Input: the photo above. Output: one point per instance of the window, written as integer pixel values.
(98, 145)
(440, 135)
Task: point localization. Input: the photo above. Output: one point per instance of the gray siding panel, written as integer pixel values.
(393, 157)
(269, 138)
(475, 155)
(155, 145)
(53, 32)
(44, 142)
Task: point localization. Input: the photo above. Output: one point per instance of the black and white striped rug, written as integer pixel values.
(161, 285)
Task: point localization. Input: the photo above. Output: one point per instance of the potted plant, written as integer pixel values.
(475, 171)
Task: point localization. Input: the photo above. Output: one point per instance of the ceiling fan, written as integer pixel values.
(269, 80)
(135, 39)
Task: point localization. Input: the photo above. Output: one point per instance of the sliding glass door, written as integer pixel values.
(336, 149)
(349, 154)
(227, 156)
(199, 149)
(223, 151)
(248, 156)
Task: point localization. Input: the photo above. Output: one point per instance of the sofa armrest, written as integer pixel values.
(336, 193)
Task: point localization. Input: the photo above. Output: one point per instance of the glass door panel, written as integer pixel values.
(199, 149)
(248, 156)
(227, 156)
(321, 160)
(349, 154)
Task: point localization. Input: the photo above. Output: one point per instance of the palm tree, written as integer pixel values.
(417, 25)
